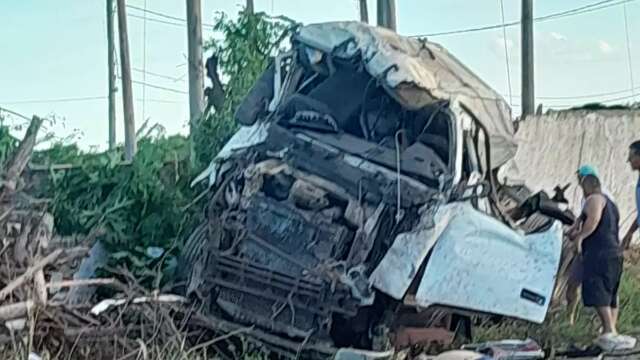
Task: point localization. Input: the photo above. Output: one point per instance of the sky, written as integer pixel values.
(53, 54)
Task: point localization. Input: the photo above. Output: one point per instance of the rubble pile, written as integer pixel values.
(41, 313)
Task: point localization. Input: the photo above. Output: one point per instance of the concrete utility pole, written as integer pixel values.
(387, 14)
(364, 12)
(528, 92)
(196, 66)
(249, 8)
(127, 92)
(112, 75)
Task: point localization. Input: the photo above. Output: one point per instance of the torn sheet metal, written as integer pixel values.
(494, 269)
(400, 264)
(417, 73)
(245, 137)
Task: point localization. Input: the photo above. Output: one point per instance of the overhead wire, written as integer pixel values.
(76, 99)
(506, 51)
(575, 11)
(629, 61)
(144, 61)
(159, 87)
(585, 96)
(58, 100)
(182, 22)
(161, 76)
(601, 101)
(155, 20)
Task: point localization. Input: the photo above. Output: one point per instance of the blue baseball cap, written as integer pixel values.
(585, 170)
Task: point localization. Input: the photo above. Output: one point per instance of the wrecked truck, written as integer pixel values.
(357, 209)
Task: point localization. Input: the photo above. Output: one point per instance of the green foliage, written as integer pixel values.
(244, 52)
(139, 205)
(146, 207)
(7, 144)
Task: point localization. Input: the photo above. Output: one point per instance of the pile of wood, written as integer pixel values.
(38, 313)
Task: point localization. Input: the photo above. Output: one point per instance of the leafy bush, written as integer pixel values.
(140, 205)
(243, 53)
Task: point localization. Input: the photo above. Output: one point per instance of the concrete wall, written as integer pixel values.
(552, 146)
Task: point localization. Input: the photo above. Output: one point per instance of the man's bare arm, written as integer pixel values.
(593, 209)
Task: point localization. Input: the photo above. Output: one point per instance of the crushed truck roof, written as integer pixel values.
(417, 72)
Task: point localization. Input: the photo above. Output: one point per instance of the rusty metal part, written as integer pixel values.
(411, 336)
(307, 196)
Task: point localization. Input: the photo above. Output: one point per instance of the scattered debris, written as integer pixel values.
(509, 349)
(106, 304)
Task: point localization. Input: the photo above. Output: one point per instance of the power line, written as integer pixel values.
(162, 101)
(159, 87)
(576, 11)
(145, 10)
(601, 101)
(166, 16)
(155, 20)
(506, 51)
(584, 96)
(618, 99)
(175, 79)
(144, 60)
(626, 31)
(61, 100)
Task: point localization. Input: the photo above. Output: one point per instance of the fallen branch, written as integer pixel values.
(17, 282)
(21, 158)
(16, 310)
(40, 288)
(82, 282)
(100, 331)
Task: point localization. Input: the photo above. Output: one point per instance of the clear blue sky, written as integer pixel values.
(57, 50)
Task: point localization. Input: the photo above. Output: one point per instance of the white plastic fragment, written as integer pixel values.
(105, 305)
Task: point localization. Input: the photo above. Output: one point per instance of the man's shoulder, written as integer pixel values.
(596, 200)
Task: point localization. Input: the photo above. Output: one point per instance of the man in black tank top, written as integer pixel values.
(598, 244)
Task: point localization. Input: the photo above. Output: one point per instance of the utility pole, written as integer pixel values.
(196, 66)
(364, 12)
(528, 91)
(387, 14)
(112, 76)
(127, 92)
(249, 8)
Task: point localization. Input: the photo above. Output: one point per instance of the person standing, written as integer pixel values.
(634, 161)
(598, 245)
(572, 294)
